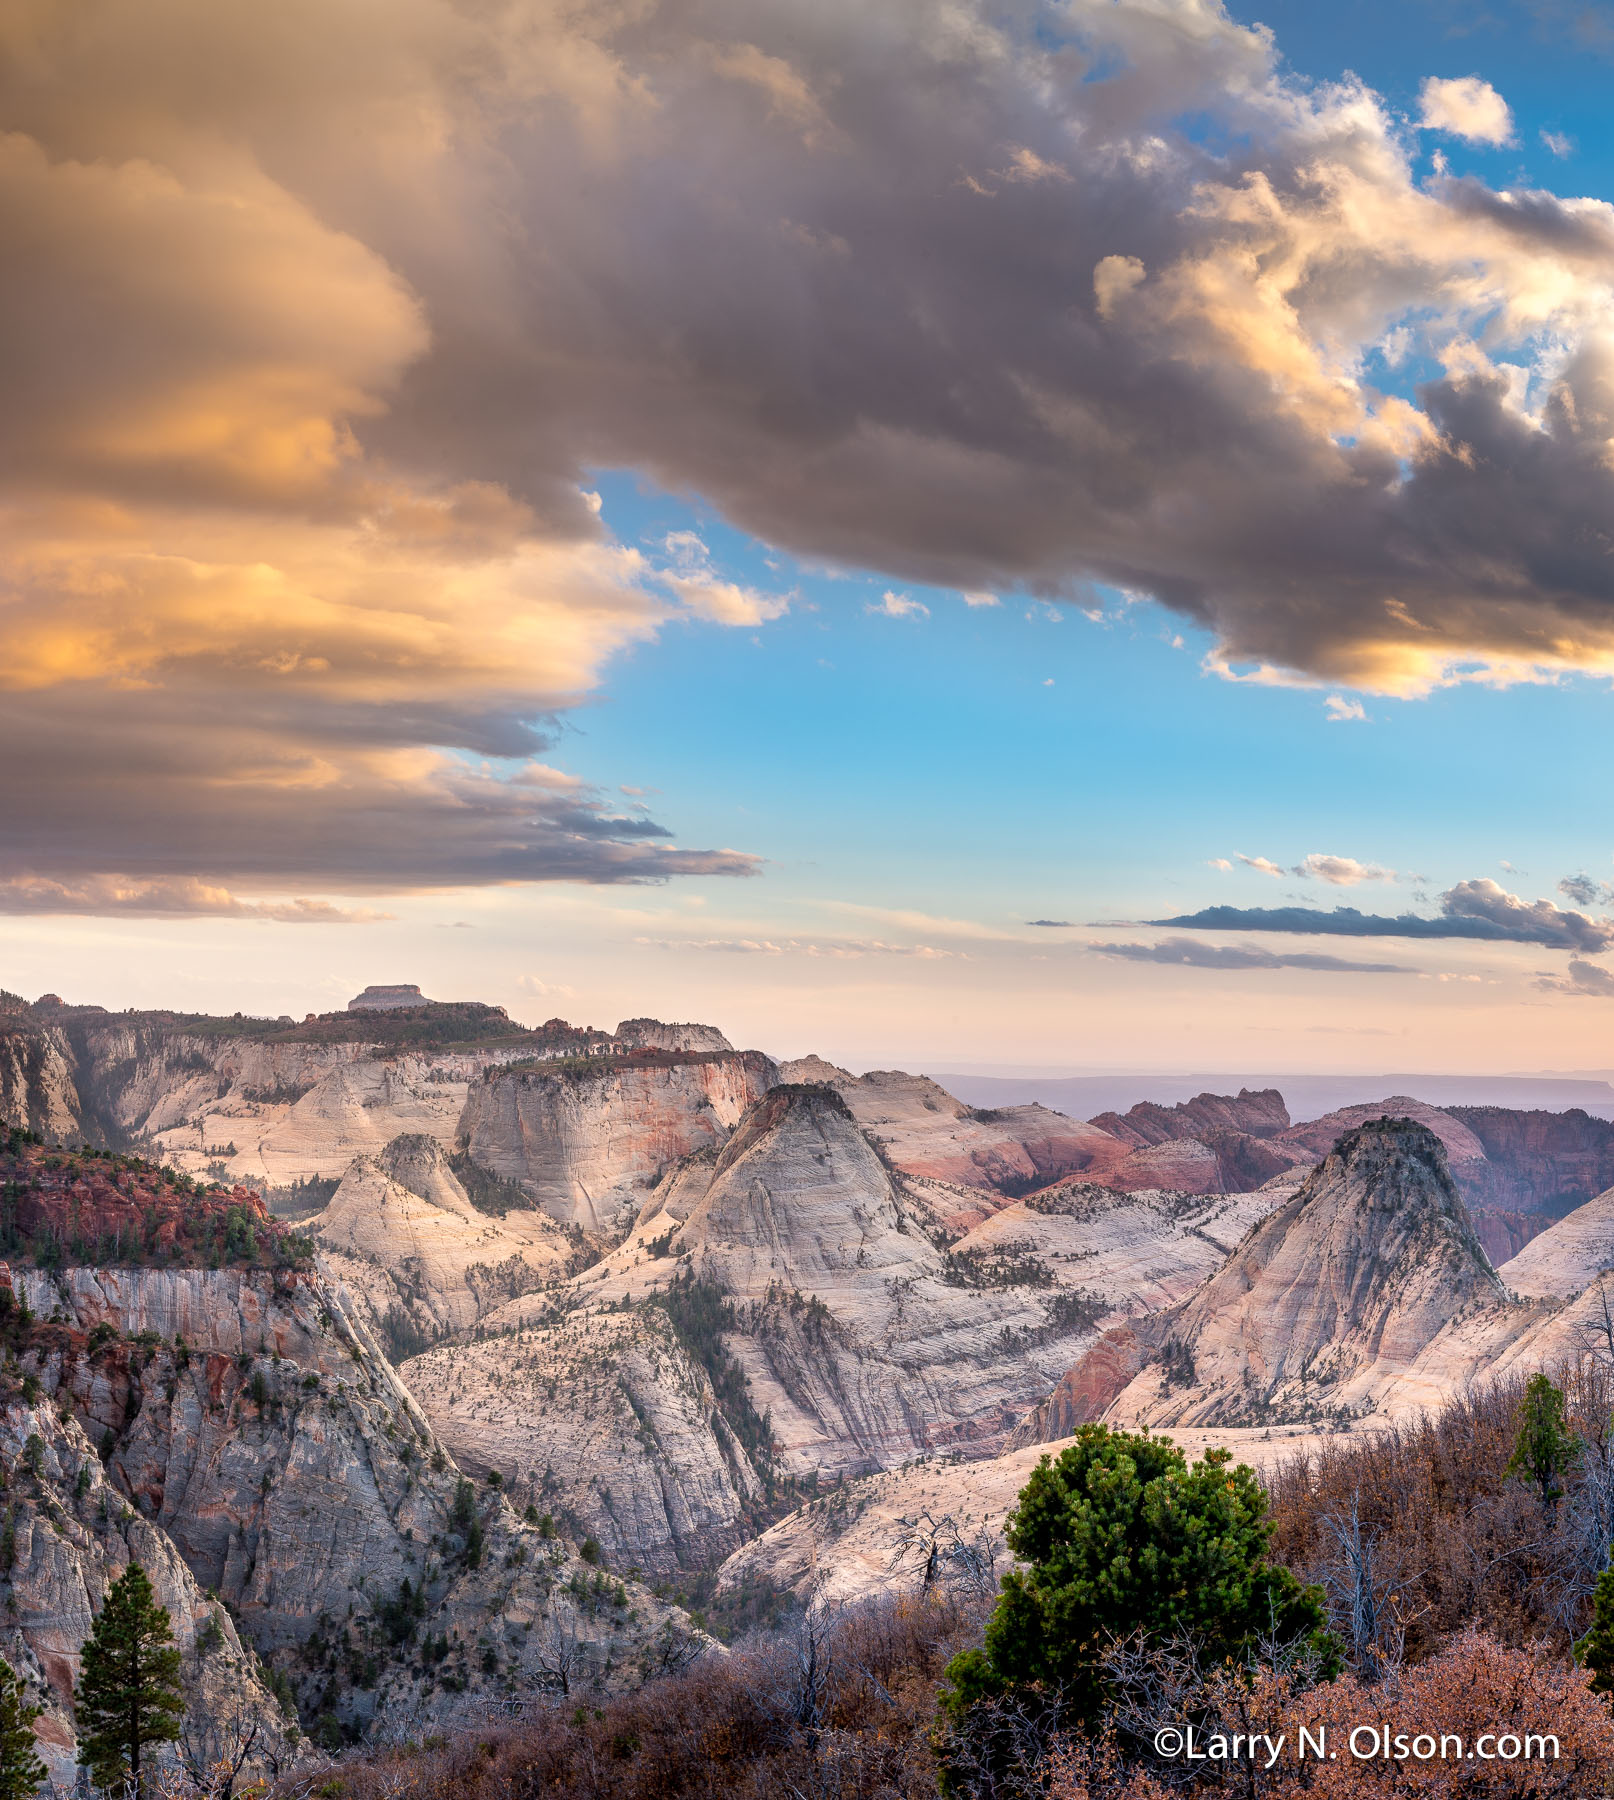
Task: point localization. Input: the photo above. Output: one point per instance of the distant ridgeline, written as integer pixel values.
(63, 1207)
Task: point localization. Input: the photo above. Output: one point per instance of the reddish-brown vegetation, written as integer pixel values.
(61, 1206)
(1476, 1695)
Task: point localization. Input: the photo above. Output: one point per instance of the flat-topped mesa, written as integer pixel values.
(386, 998)
(585, 1140)
(654, 1034)
(1321, 1311)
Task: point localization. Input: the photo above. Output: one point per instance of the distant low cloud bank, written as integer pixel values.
(1190, 953)
(1481, 910)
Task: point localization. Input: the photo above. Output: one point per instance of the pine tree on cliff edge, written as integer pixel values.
(128, 1691)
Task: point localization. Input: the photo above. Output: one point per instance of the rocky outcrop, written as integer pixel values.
(1214, 1143)
(37, 1091)
(923, 1131)
(604, 1420)
(252, 1420)
(652, 1034)
(1368, 1288)
(71, 1535)
(587, 1143)
(1539, 1165)
(401, 1232)
(1252, 1112)
(1124, 1252)
(1568, 1255)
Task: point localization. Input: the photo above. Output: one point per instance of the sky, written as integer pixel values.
(1068, 535)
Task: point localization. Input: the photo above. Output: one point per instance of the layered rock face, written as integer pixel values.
(606, 1421)
(587, 1144)
(37, 1091)
(401, 1231)
(1214, 1143)
(1367, 1289)
(1126, 1252)
(926, 1133)
(254, 1424)
(817, 1330)
(1539, 1167)
(1567, 1256)
(74, 1534)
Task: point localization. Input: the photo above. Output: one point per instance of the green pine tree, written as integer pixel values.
(1119, 1535)
(1546, 1448)
(1595, 1651)
(128, 1691)
(21, 1771)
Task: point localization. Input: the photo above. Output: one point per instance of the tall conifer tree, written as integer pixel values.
(128, 1691)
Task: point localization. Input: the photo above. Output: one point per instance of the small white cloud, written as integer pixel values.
(706, 594)
(1558, 142)
(544, 990)
(1340, 709)
(977, 597)
(1262, 865)
(1466, 107)
(1340, 871)
(1026, 165)
(898, 606)
(1219, 862)
(1049, 682)
(1113, 279)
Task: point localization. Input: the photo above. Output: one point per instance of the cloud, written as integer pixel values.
(1054, 924)
(693, 579)
(1219, 862)
(1262, 865)
(978, 598)
(1466, 107)
(175, 898)
(1191, 953)
(1584, 978)
(1558, 142)
(1472, 909)
(898, 606)
(848, 950)
(544, 990)
(308, 366)
(350, 804)
(1586, 892)
(1342, 711)
(1340, 871)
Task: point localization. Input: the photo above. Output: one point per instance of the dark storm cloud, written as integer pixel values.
(1191, 953)
(1480, 910)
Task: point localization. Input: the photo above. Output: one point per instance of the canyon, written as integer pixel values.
(458, 1358)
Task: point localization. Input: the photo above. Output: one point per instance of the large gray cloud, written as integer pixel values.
(1191, 953)
(1480, 910)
